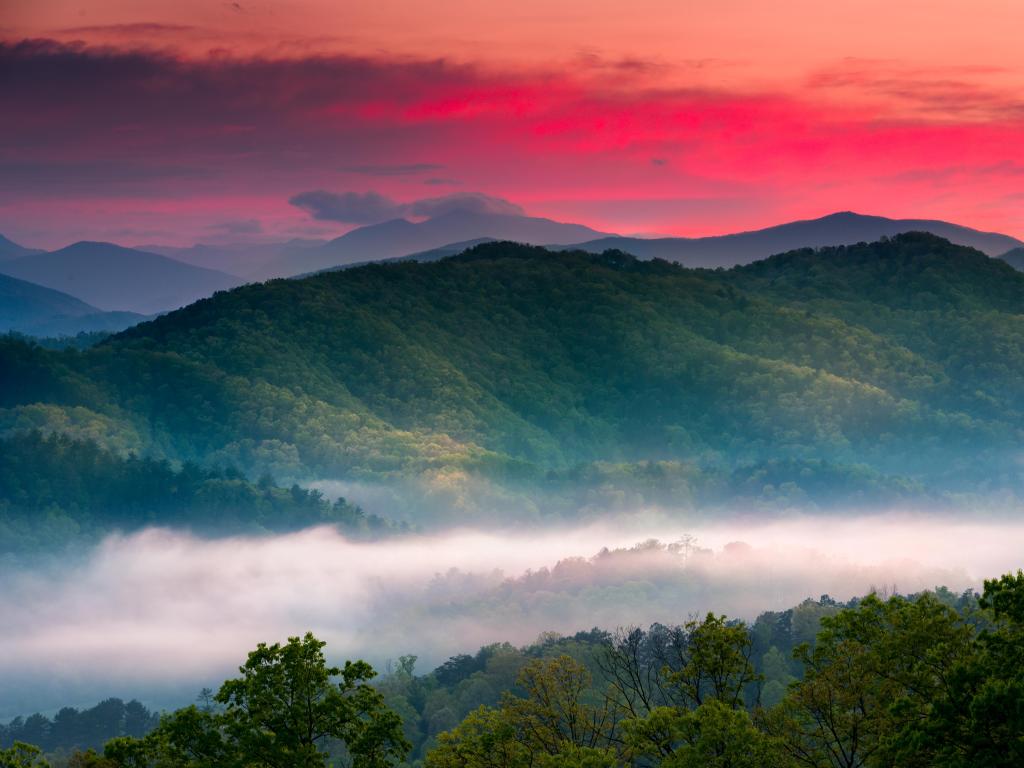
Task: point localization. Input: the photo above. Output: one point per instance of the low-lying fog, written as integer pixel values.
(159, 614)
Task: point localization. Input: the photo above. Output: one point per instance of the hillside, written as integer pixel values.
(836, 229)
(113, 278)
(831, 374)
(37, 311)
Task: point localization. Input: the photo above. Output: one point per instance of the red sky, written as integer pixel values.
(172, 122)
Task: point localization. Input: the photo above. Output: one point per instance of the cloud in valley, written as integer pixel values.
(159, 614)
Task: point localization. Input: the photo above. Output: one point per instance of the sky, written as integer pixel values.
(177, 121)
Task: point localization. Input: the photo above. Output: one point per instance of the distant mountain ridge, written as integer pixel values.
(453, 232)
(400, 237)
(114, 278)
(12, 250)
(844, 228)
(247, 260)
(1014, 258)
(39, 311)
(144, 284)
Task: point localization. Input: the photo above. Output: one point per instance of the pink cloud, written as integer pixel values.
(100, 129)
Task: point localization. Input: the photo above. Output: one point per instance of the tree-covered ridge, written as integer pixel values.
(56, 490)
(521, 364)
(72, 728)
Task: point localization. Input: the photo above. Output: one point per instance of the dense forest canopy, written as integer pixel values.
(850, 375)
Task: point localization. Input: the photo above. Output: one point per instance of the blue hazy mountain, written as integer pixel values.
(1014, 258)
(400, 237)
(247, 260)
(844, 228)
(113, 278)
(39, 311)
(12, 250)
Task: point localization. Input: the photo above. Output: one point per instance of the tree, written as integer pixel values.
(714, 735)
(22, 755)
(556, 723)
(870, 682)
(287, 710)
(979, 722)
(718, 664)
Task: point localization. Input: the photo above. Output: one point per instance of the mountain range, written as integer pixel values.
(113, 278)
(843, 228)
(153, 279)
(843, 372)
(11, 250)
(251, 261)
(445, 234)
(38, 311)
(400, 237)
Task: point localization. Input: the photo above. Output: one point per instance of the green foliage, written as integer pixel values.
(552, 724)
(718, 664)
(22, 756)
(72, 728)
(979, 721)
(713, 735)
(55, 490)
(922, 682)
(289, 709)
(870, 680)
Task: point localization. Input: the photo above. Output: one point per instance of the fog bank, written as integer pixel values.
(159, 614)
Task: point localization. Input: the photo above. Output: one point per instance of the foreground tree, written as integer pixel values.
(713, 735)
(559, 723)
(707, 725)
(22, 755)
(287, 710)
(870, 684)
(979, 721)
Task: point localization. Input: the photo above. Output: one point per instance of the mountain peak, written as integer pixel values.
(12, 250)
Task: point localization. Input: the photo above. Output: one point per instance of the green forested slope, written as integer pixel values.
(899, 358)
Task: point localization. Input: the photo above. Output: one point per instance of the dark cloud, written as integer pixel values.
(471, 202)
(239, 227)
(102, 115)
(129, 30)
(410, 169)
(347, 207)
(371, 207)
(947, 91)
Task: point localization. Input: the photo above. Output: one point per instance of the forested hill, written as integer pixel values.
(897, 363)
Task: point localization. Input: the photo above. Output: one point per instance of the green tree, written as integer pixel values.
(288, 709)
(718, 664)
(708, 725)
(559, 722)
(870, 682)
(979, 722)
(22, 755)
(714, 735)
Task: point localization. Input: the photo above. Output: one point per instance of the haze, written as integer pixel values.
(160, 614)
